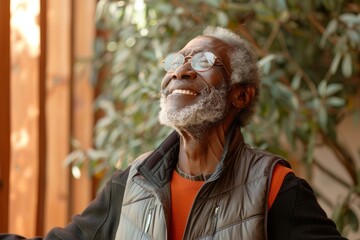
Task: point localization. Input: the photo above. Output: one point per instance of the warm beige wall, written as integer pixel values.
(349, 135)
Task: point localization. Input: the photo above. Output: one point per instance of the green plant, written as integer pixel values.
(308, 55)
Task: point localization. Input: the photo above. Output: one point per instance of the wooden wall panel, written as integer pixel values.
(25, 52)
(42, 121)
(57, 112)
(47, 101)
(82, 118)
(5, 121)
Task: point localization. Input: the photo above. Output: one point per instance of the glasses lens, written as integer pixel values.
(173, 61)
(202, 61)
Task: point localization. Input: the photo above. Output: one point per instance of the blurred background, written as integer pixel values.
(79, 90)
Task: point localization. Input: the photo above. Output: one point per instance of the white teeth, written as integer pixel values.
(182, 91)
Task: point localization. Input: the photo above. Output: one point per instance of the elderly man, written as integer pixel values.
(203, 181)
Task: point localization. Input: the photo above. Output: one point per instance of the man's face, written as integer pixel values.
(192, 98)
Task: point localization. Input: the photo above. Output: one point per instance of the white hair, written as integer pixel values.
(243, 64)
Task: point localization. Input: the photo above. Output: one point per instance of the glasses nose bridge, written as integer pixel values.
(187, 59)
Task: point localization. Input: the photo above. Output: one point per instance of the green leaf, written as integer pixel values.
(265, 63)
(107, 106)
(122, 56)
(322, 88)
(352, 220)
(338, 216)
(295, 83)
(130, 90)
(165, 8)
(115, 135)
(100, 10)
(104, 121)
(335, 63)
(285, 96)
(323, 117)
(314, 103)
(346, 66)
(330, 29)
(222, 18)
(214, 3)
(100, 138)
(96, 154)
(75, 156)
(135, 143)
(350, 19)
(354, 37)
(175, 22)
(333, 88)
(335, 102)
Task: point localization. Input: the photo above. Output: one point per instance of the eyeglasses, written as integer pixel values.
(201, 61)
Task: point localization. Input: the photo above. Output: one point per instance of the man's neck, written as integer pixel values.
(201, 156)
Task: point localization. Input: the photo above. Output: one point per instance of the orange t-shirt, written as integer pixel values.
(183, 193)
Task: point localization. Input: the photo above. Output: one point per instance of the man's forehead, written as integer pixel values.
(204, 43)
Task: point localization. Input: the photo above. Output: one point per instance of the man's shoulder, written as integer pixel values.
(259, 152)
(120, 176)
(259, 156)
(141, 158)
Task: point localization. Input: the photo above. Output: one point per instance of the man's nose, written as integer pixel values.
(185, 71)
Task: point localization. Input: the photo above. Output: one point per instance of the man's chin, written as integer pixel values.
(196, 129)
(196, 117)
(197, 132)
(165, 120)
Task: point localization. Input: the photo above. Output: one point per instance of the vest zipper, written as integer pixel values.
(185, 235)
(148, 220)
(215, 218)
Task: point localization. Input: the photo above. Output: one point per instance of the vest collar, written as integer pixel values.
(159, 165)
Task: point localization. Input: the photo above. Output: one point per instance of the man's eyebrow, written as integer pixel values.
(194, 50)
(197, 49)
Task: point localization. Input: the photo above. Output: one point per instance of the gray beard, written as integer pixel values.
(199, 117)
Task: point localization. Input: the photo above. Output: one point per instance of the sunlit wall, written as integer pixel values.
(25, 50)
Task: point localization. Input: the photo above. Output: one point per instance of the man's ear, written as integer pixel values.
(240, 96)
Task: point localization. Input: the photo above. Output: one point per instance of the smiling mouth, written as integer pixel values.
(183, 91)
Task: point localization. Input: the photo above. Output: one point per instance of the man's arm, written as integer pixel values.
(101, 218)
(296, 214)
(98, 221)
